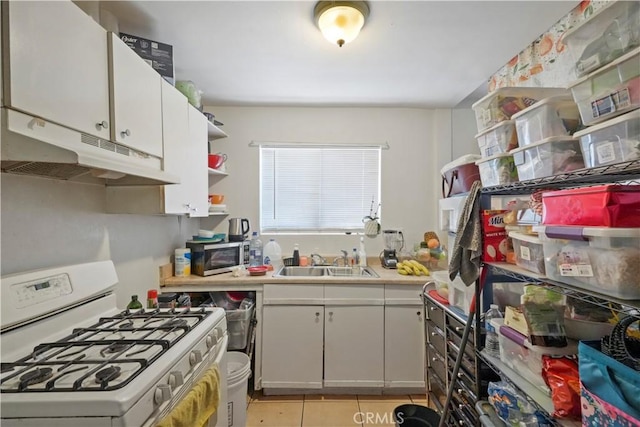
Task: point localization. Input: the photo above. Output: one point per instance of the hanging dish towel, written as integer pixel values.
(467, 249)
(198, 405)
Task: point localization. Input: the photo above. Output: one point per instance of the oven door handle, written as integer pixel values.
(224, 342)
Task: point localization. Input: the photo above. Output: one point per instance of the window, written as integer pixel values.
(317, 189)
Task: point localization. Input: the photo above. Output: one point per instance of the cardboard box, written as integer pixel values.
(158, 55)
(494, 237)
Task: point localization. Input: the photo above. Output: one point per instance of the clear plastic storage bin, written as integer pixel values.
(609, 91)
(501, 104)
(614, 141)
(238, 326)
(555, 116)
(551, 156)
(528, 250)
(525, 358)
(599, 259)
(498, 139)
(497, 170)
(611, 32)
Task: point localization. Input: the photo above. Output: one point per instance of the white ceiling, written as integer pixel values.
(409, 53)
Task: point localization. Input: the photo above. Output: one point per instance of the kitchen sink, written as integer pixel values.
(319, 271)
(301, 272)
(351, 272)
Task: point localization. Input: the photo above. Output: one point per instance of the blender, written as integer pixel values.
(393, 243)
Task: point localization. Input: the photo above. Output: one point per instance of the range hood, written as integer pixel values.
(33, 146)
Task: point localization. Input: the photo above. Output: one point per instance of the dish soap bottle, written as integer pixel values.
(134, 304)
(362, 254)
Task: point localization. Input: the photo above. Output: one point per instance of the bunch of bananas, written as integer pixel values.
(412, 268)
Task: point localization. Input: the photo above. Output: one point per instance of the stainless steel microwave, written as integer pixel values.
(215, 258)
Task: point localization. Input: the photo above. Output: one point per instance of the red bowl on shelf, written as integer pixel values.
(216, 160)
(259, 270)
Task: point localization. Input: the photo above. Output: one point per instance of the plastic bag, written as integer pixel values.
(512, 407)
(562, 376)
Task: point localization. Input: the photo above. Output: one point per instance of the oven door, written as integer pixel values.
(221, 258)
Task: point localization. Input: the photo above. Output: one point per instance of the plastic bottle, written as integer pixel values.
(183, 262)
(255, 251)
(134, 304)
(296, 255)
(353, 259)
(362, 254)
(492, 344)
(272, 254)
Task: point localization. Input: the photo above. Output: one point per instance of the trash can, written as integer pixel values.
(238, 372)
(415, 416)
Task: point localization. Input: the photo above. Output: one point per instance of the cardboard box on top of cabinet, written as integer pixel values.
(494, 236)
(158, 55)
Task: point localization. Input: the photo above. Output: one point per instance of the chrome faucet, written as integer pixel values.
(317, 259)
(344, 258)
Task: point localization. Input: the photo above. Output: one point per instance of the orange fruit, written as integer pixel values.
(433, 243)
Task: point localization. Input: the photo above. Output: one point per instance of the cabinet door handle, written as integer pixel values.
(103, 124)
(125, 132)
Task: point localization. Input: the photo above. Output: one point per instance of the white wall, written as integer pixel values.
(463, 132)
(47, 223)
(410, 173)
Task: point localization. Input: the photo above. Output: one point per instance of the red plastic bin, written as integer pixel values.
(607, 205)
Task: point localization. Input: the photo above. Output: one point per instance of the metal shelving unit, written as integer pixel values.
(618, 173)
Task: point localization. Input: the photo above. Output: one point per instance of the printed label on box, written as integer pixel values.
(525, 253)
(575, 263)
(605, 153)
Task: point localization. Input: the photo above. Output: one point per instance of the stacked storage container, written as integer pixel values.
(547, 146)
(497, 131)
(606, 50)
(590, 236)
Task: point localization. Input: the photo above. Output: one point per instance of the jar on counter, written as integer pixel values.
(167, 300)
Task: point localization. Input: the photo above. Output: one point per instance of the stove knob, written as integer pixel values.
(195, 357)
(211, 340)
(176, 379)
(163, 393)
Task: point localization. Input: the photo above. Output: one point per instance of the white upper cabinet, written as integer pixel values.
(55, 65)
(136, 99)
(194, 173)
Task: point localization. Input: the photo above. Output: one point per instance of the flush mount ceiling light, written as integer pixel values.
(340, 21)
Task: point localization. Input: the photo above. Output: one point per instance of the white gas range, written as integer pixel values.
(71, 358)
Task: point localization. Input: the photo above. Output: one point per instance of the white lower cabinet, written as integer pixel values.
(292, 341)
(404, 346)
(353, 346)
(342, 336)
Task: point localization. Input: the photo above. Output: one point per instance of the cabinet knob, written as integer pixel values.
(419, 313)
(103, 124)
(433, 334)
(461, 422)
(459, 374)
(125, 132)
(317, 314)
(432, 308)
(460, 391)
(459, 329)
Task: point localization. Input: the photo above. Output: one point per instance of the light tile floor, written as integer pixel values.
(325, 410)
